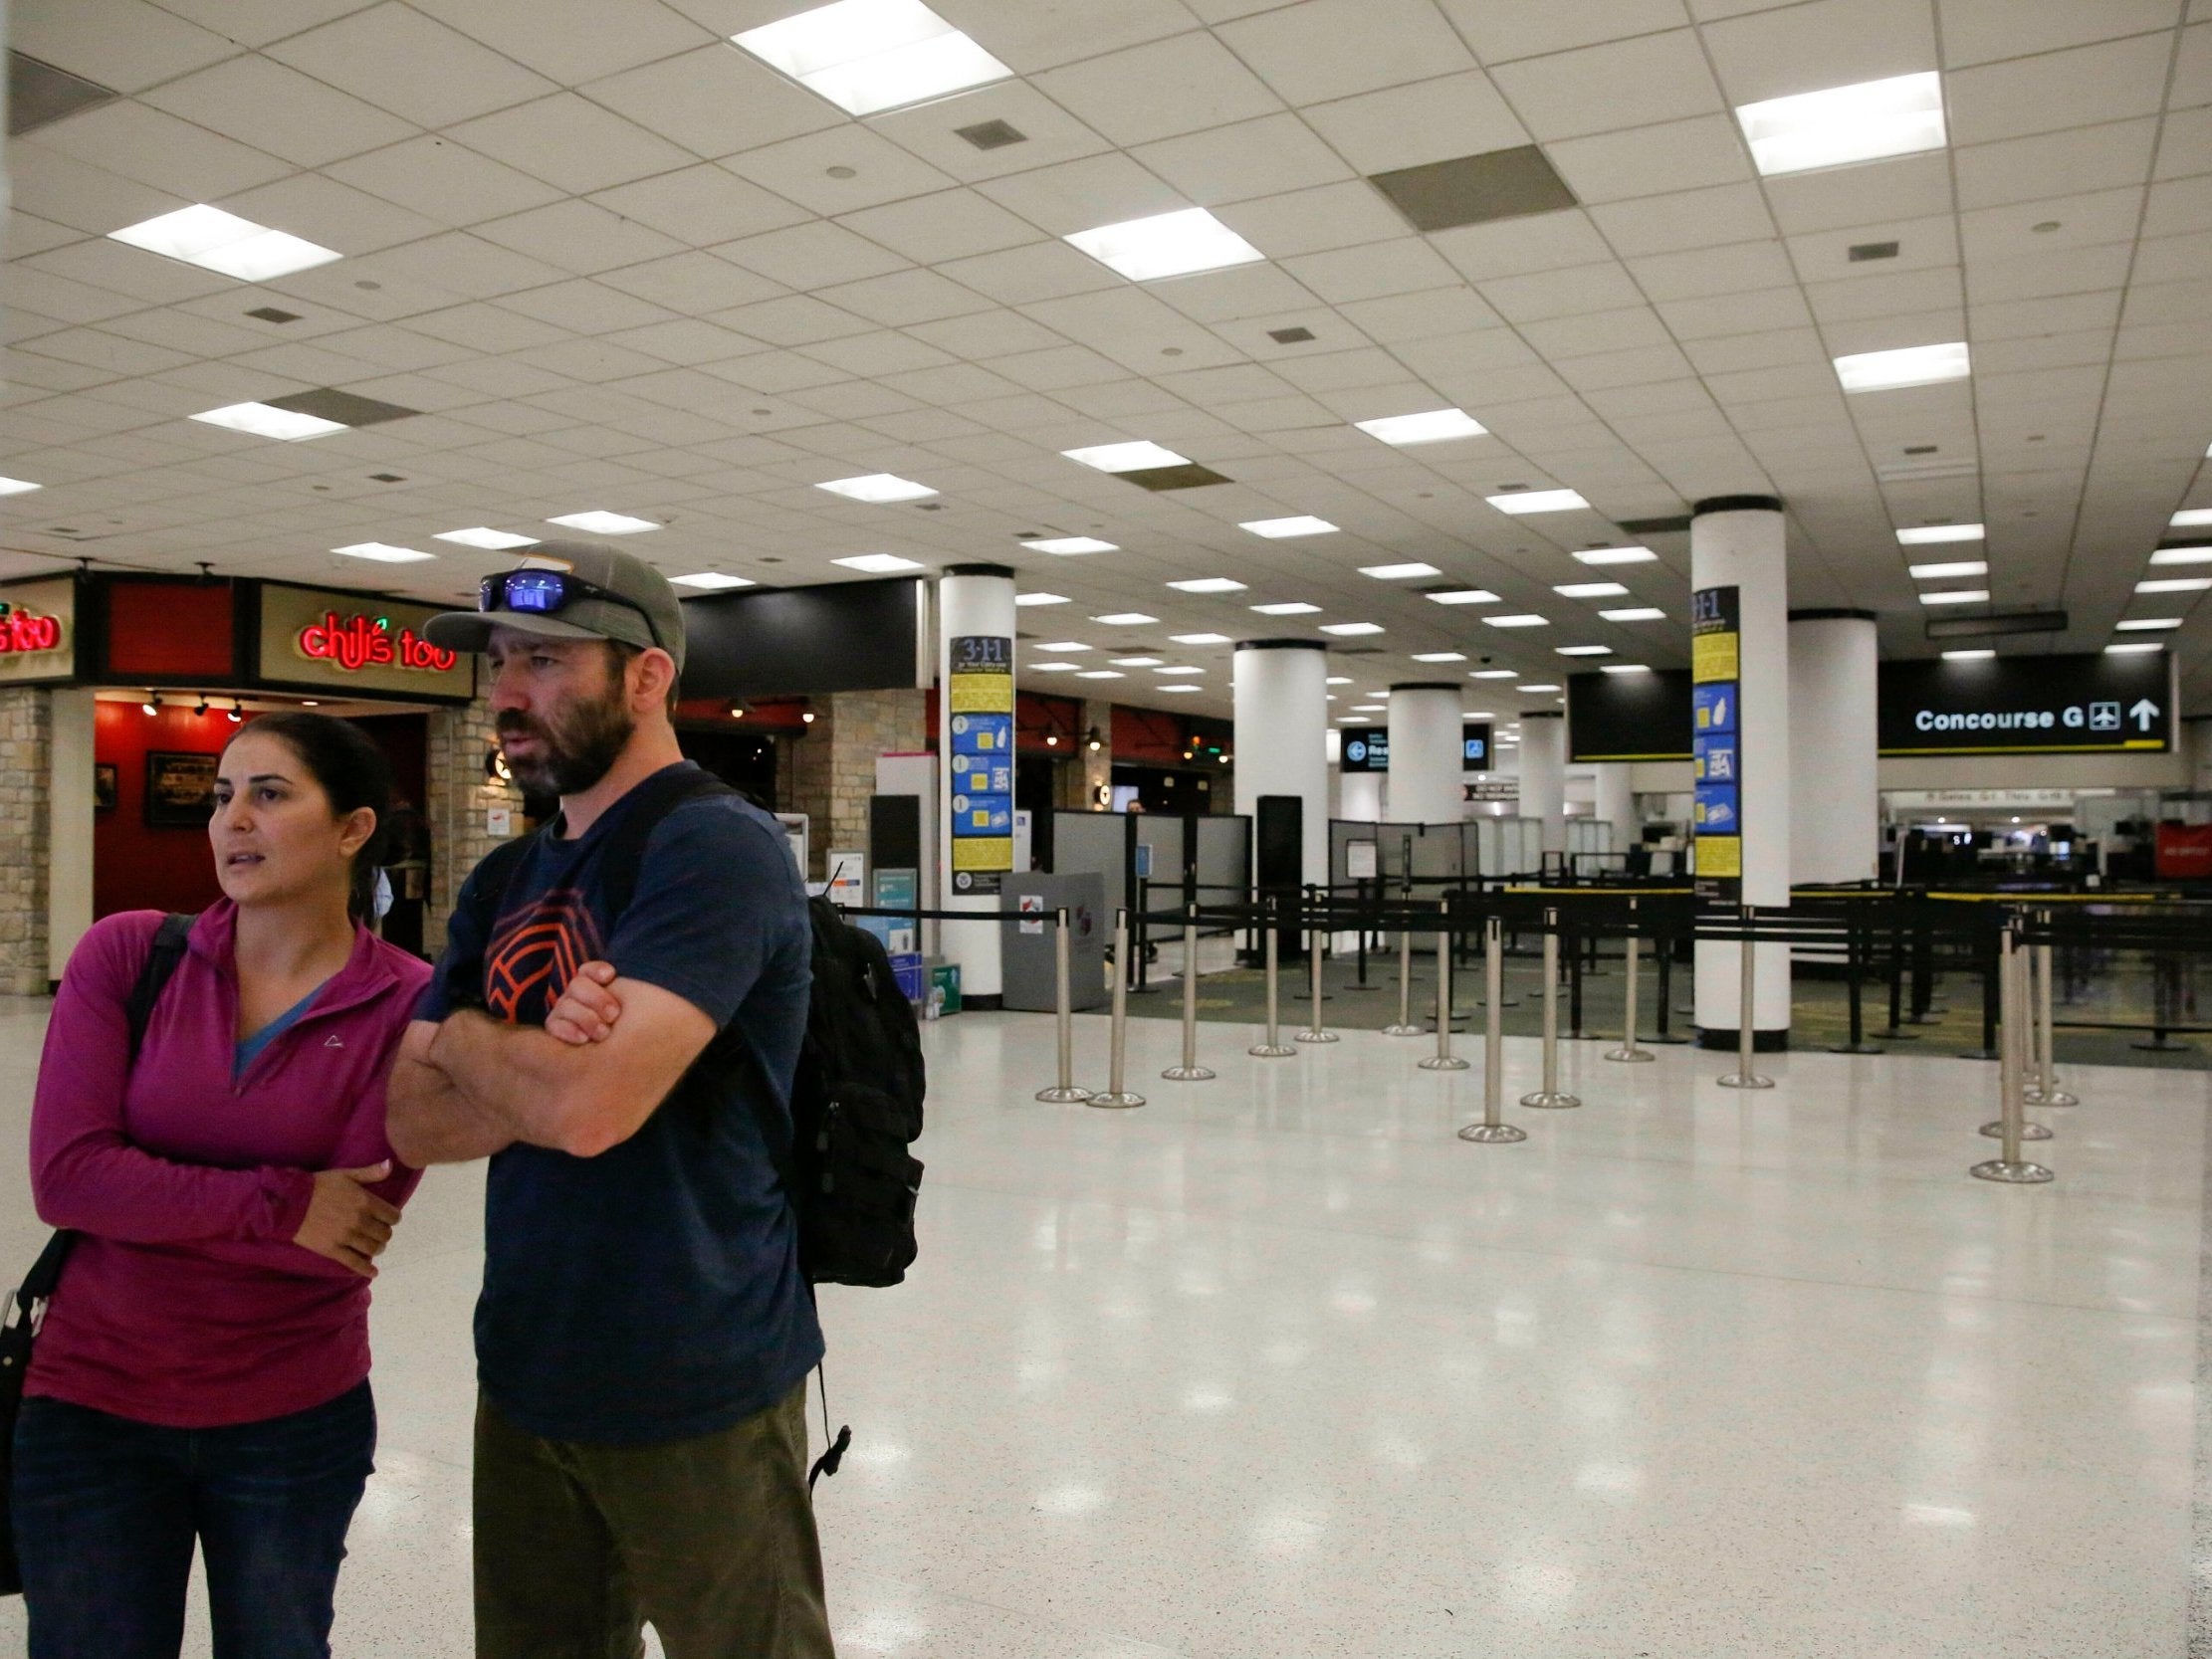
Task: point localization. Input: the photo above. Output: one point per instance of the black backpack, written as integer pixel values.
(20, 1328)
(856, 1102)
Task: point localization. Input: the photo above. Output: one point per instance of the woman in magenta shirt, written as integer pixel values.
(202, 1371)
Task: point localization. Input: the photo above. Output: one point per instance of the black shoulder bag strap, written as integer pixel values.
(162, 958)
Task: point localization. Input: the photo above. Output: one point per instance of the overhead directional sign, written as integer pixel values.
(2089, 704)
(1365, 749)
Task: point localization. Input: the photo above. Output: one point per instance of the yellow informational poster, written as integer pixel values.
(978, 760)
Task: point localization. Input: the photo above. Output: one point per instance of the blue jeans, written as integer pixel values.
(107, 1511)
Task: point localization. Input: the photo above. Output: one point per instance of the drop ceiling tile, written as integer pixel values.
(1030, 35)
(1922, 243)
(112, 267)
(465, 265)
(1564, 292)
(1645, 368)
(686, 340)
(2041, 351)
(152, 147)
(1853, 299)
(1824, 43)
(2055, 163)
(444, 181)
(1317, 220)
(1685, 219)
(701, 206)
(62, 190)
(986, 335)
(905, 298)
(1628, 328)
(1040, 271)
(1161, 90)
(2076, 88)
(1702, 273)
(1262, 157)
(803, 170)
(567, 141)
(1051, 134)
(1247, 290)
(794, 320)
(1437, 120)
(124, 43)
(113, 354)
(1664, 159)
(1913, 188)
(1515, 246)
(2178, 207)
(1321, 50)
(2192, 69)
(571, 41)
(810, 256)
(1404, 317)
(1895, 334)
(1635, 82)
(486, 328)
(578, 238)
(1714, 316)
(2062, 272)
(1081, 195)
(880, 353)
(401, 61)
(1981, 31)
(1366, 272)
(1502, 30)
(262, 103)
(1132, 328)
(1058, 368)
(585, 308)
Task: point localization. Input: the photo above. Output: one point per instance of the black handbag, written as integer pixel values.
(20, 1320)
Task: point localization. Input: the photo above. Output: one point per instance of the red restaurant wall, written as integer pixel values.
(171, 630)
(135, 868)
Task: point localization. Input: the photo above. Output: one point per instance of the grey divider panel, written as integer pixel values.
(1094, 843)
(1225, 860)
(1031, 977)
(1164, 834)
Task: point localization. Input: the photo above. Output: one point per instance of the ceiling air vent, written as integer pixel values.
(270, 313)
(1655, 527)
(40, 94)
(346, 408)
(1872, 250)
(1290, 336)
(992, 134)
(1476, 189)
(1189, 475)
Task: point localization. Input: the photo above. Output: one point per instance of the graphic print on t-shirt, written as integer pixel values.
(536, 954)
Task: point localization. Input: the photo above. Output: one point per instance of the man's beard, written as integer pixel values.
(577, 747)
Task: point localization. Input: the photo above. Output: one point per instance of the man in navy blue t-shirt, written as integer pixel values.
(644, 1334)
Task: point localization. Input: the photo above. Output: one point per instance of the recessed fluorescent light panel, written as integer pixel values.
(2131, 650)
(1496, 673)
(1069, 545)
(1049, 668)
(1952, 567)
(1433, 427)
(2190, 518)
(1526, 619)
(1615, 555)
(1868, 121)
(1134, 662)
(1463, 596)
(1186, 686)
(1911, 365)
(869, 56)
(264, 421)
(1199, 639)
(877, 487)
(607, 524)
(1519, 502)
(1583, 650)
(2147, 624)
(490, 540)
(1208, 584)
(1167, 245)
(1277, 529)
(17, 486)
(1981, 656)
(1397, 572)
(1349, 628)
(1179, 668)
(879, 564)
(1125, 619)
(1289, 607)
(225, 244)
(1440, 656)
(1588, 590)
(713, 582)
(384, 552)
(1928, 536)
(1131, 456)
(2164, 556)
(1634, 614)
(1026, 599)
(2175, 584)
(1540, 685)
(1101, 674)
(1624, 668)
(1065, 647)
(1958, 596)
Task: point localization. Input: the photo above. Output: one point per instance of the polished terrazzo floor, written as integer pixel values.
(1277, 1366)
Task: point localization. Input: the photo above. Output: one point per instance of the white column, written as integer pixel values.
(1737, 541)
(1834, 804)
(69, 890)
(1360, 796)
(1281, 711)
(1544, 773)
(972, 600)
(1615, 803)
(1427, 756)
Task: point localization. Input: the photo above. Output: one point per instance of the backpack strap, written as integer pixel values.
(642, 811)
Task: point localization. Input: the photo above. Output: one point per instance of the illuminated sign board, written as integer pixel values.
(2082, 704)
(38, 630)
(356, 643)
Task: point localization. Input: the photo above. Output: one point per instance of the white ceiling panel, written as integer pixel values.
(2076, 88)
(1642, 82)
(1322, 50)
(395, 56)
(1262, 157)
(1179, 85)
(572, 143)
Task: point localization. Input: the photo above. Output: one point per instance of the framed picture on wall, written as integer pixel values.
(180, 789)
(104, 786)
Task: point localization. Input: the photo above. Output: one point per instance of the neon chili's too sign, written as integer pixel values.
(358, 642)
(24, 631)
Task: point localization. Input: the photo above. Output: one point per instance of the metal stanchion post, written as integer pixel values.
(1315, 937)
(1404, 1026)
(1854, 971)
(1274, 1048)
(2012, 1127)
(1190, 1071)
(1444, 1060)
(1117, 1093)
(1629, 1049)
(2045, 1090)
(1549, 1098)
(1492, 1131)
(1747, 1008)
(1064, 1092)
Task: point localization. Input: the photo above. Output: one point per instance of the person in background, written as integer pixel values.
(202, 1371)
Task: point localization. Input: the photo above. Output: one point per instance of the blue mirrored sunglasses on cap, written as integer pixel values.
(548, 593)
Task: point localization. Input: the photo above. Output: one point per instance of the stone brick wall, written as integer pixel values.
(833, 767)
(459, 796)
(26, 733)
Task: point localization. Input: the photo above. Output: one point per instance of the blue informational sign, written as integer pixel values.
(983, 774)
(1716, 809)
(982, 814)
(1713, 709)
(1713, 759)
(983, 735)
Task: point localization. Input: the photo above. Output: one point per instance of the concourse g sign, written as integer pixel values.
(2089, 704)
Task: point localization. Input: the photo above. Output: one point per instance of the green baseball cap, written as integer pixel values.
(603, 593)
